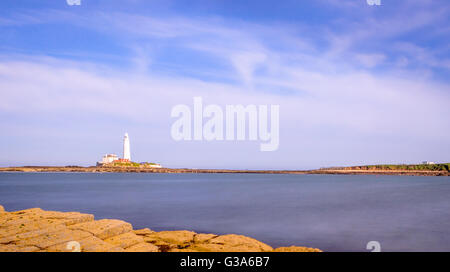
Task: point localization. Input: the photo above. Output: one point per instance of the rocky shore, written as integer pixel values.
(36, 230)
(95, 169)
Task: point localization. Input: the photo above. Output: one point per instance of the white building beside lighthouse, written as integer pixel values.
(107, 159)
(126, 148)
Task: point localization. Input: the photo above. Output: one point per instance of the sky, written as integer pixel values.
(356, 84)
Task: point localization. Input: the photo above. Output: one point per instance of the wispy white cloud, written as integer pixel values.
(356, 104)
(338, 96)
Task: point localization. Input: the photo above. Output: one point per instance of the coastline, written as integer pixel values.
(37, 230)
(97, 169)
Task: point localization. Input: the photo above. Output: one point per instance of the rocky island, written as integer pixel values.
(36, 230)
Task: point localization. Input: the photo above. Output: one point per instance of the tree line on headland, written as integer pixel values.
(410, 167)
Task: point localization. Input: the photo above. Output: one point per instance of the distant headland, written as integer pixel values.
(111, 163)
(440, 169)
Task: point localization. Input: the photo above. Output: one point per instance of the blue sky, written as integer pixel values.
(356, 84)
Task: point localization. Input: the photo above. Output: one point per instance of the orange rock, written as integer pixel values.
(33, 230)
(104, 228)
(142, 247)
(125, 240)
(296, 249)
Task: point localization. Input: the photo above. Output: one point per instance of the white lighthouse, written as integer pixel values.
(126, 147)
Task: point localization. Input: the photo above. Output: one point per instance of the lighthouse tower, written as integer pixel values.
(126, 147)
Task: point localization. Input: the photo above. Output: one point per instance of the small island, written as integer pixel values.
(112, 160)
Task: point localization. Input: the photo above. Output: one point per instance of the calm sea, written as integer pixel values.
(330, 212)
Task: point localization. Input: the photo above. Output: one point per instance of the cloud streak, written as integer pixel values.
(355, 91)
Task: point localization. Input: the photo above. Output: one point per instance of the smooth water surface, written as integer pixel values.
(330, 212)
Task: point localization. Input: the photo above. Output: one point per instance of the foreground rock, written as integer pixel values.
(35, 230)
